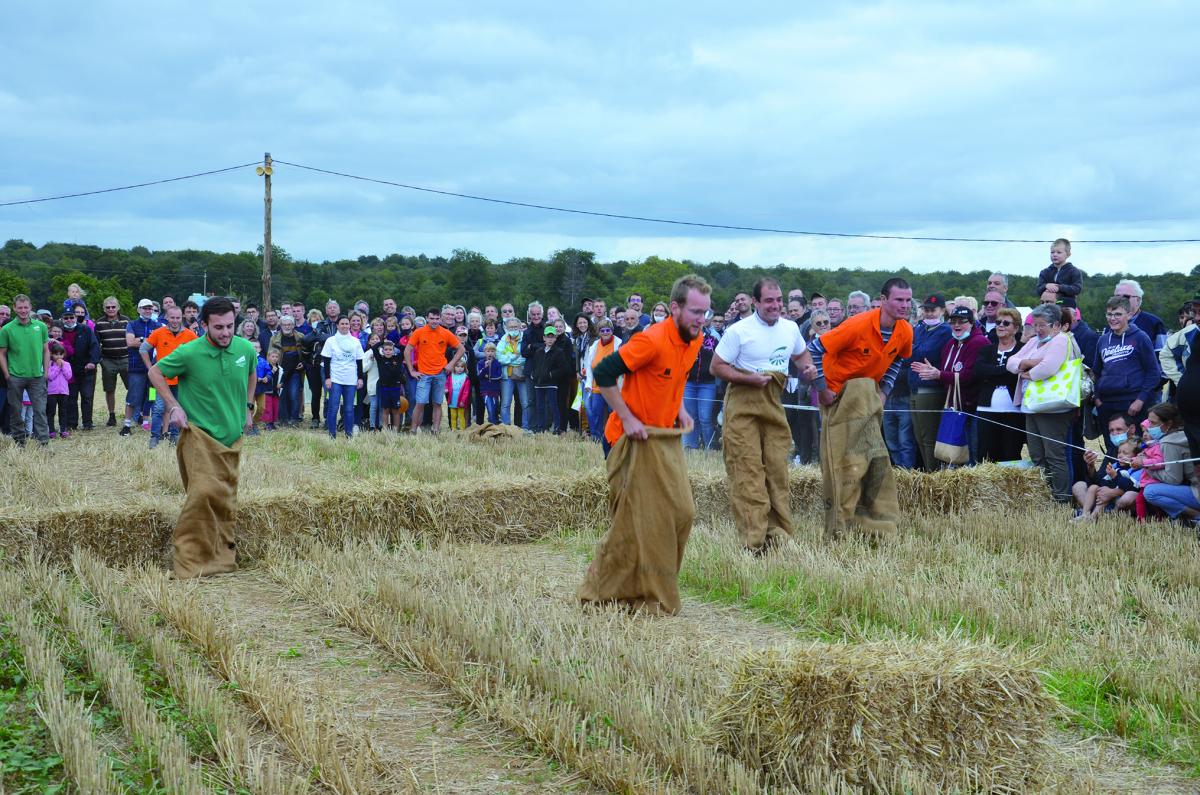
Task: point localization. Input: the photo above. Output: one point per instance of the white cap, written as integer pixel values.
(145, 302)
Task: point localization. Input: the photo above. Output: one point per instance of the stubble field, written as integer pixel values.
(405, 622)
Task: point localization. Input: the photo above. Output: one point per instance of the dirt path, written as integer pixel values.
(418, 731)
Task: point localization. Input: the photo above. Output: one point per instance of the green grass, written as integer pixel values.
(27, 755)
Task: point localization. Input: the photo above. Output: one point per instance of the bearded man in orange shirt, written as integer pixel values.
(636, 564)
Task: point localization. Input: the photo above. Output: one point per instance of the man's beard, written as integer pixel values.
(685, 333)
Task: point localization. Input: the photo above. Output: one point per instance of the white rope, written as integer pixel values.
(797, 407)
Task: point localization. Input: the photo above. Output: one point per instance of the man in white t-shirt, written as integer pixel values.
(753, 357)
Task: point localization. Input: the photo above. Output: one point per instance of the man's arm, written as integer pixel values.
(4, 364)
(144, 350)
(458, 354)
(611, 368)
(251, 383)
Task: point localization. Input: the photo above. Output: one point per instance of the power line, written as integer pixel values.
(676, 222)
(127, 187)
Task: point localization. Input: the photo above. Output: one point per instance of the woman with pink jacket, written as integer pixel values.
(1046, 432)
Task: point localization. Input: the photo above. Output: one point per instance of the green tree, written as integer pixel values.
(652, 278)
(94, 292)
(11, 284)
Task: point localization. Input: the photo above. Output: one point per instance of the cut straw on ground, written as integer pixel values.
(339, 754)
(657, 690)
(67, 718)
(244, 764)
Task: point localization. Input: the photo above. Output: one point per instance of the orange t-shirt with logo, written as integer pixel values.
(659, 362)
(163, 342)
(855, 349)
(430, 345)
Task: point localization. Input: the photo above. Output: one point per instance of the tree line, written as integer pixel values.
(468, 277)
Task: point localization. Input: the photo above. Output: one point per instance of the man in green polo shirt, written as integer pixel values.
(213, 408)
(24, 362)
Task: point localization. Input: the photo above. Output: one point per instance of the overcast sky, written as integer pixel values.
(1027, 120)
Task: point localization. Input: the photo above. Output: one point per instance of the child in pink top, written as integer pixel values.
(58, 380)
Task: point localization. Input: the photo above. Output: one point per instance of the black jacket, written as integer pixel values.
(87, 348)
(1068, 278)
(990, 372)
(548, 367)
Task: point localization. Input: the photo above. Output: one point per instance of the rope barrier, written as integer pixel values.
(1104, 454)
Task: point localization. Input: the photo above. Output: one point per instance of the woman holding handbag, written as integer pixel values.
(1047, 421)
(956, 372)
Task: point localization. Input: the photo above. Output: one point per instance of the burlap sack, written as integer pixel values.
(756, 445)
(650, 501)
(488, 430)
(856, 473)
(203, 540)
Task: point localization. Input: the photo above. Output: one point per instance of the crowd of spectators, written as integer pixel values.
(393, 370)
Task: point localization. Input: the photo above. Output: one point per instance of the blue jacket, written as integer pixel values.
(927, 344)
(1125, 368)
(1086, 338)
(1155, 329)
(139, 328)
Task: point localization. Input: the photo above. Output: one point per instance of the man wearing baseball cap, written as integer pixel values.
(929, 337)
(136, 332)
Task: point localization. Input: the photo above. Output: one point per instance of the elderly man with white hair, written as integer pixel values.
(1155, 329)
(998, 283)
(857, 303)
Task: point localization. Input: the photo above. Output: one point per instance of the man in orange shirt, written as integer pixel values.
(636, 564)
(161, 342)
(857, 364)
(429, 365)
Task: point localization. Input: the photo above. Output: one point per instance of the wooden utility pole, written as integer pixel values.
(264, 171)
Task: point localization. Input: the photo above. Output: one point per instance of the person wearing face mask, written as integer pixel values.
(926, 396)
(1047, 432)
(1121, 429)
(512, 370)
(1125, 368)
(84, 360)
(659, 313)
(1167, 482)
(956, 363)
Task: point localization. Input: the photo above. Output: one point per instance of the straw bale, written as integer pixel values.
(534, 488)
(956, 714)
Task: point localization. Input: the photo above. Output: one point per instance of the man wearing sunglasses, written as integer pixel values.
(992, 301)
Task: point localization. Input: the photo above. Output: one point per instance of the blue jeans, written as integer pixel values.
(291, 397)
(139, 393)
(597, 414)
(525, 391)
(700, 401)
(507, 388)
(410, 392)
(347, 394)
(156, 417)
(491, 407)
(373, 414)
(431, 389)
(546, 408)
(898, 432)
(1172, 500)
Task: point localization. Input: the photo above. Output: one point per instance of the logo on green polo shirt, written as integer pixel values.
(240, 361)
